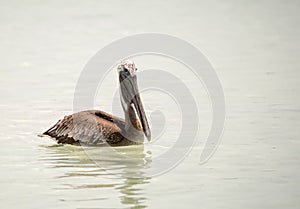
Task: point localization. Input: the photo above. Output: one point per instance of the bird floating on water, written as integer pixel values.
(96, 128)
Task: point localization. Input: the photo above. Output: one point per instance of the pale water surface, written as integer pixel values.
(254, 47)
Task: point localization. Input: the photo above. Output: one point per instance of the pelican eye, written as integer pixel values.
(126, 70)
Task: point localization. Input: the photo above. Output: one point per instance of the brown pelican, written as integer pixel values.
(95, 127)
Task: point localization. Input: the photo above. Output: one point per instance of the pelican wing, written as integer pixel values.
(92, 127)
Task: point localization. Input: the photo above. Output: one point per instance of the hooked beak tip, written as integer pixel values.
(147, 133)
(149, 138)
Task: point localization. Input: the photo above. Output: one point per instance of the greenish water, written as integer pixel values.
(254, 47)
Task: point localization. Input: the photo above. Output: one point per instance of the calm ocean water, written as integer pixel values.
(254, 48)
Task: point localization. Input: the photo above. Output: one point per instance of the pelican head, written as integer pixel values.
(130, 96)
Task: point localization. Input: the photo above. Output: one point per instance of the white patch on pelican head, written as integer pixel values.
(128, 65)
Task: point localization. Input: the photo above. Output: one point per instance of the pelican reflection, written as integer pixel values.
(99, 173)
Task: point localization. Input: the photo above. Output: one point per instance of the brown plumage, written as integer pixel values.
(97, 128)
(89, 127)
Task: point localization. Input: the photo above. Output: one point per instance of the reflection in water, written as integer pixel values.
(113, 173)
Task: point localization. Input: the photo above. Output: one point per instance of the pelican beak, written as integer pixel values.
(142, 116)
(131, 96)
